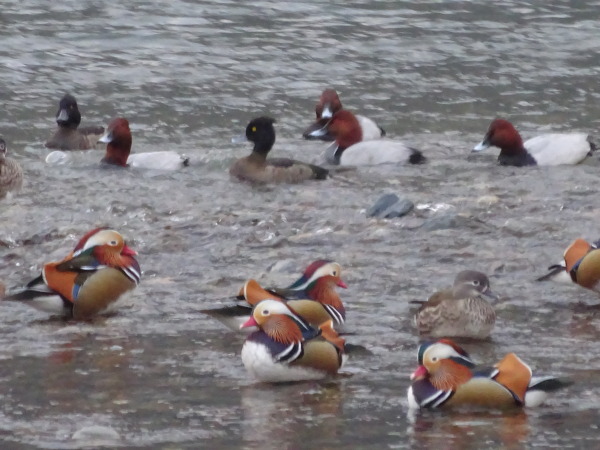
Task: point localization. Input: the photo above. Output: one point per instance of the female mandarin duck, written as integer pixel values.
(544, 150)
(91, 278)
(312, 296)
(118, 139)
(256, 168)
(581, 264)
(286, 348)
(328, 105)
(11, 174)
(459, 311)
(68, 136)
(350, 147)
(447, 376)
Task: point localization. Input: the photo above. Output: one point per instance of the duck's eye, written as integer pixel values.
(265, 312)
(253, 129)
(334, 273)
(476, 283)
(434, 359)
(112, 243)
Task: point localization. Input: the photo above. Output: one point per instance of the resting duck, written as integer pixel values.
(11, 174)
(88, 281)
(329, 104)
(350, 148)
(118, 139)
(460, 311)
(256, 168)
(447, 376)
(286, 348)
(577, 249)
(68, 136)
(312, 296)
(544, 150)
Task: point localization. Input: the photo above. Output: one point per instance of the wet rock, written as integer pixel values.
(442, 222)
(96, 435)
(488, 200)
(389, 206)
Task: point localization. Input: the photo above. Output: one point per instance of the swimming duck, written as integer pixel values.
(329, 104)
(256, 168)
(312, 296)
(447, 376)
(68, 136)
(118, 139)
(459, 311)
(11, 174)
(90, 279)
(544, 150)
(286, 348)
(350, 148)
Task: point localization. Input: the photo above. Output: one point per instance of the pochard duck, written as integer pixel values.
(86, 282)
(11, 174)
(459, 311)
(286, 348)
(312, 296)
(447, 377)
(118, 139)
(349, 147)
(257, 168)
(329, 104)
(69, 136)
(544, 150)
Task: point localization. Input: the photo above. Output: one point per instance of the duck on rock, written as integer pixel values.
(544, 150)
(257, 168)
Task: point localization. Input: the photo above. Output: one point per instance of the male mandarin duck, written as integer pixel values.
(11, 174)
(544, 150)
(329, 104)
(350, 147)
(581, 264)
(257, 168)
(118, 139)
(312, 296)
(286, 348)
(69, 136)
(459, 311)
(91, 278)
(447, 376)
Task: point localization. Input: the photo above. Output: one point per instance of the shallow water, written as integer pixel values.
(188, 76)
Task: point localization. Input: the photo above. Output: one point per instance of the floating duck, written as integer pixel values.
(312, 296)
(11, 174)
(286, 348)
(257, 168)
(329, 104)
(459, 311)
(91, 278)
(69, 136)
(545, 150)
(447, 376)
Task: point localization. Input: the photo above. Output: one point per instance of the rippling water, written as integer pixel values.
(188, 76)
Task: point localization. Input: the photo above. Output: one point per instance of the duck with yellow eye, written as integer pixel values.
(88, 281)
(286, 348)
(257, 168)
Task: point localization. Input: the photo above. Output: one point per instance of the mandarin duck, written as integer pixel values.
(91, 278)
(257, 168)
(312, 296)
(447, 376)
(69, 136)
(286, 348)
(545, 150)
(459, 311)
(581, 265)
(11, 174)
(330, 103)
(118, 139)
